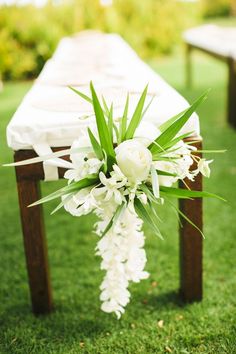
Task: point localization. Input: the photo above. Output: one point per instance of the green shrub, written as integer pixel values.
(152, 27)
(214, 8)
(29, 35)
(27, 40)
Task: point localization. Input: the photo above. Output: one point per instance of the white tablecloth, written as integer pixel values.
(52, 114)
(216, 39)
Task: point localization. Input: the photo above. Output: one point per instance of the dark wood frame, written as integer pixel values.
(28, 178)
(231, 63)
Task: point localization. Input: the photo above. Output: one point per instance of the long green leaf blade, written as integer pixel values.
(174, 128)
(103, 131)
(151, 206)
(49, 156)
(185, 193)
(148, 193)
(106, 109)
(148, 105)
(143, 214)
(186, 218)
(81, 94)
(164, 173)
(110, 121)
(169, 145)
(176, 140)
(116, 133)
(170, 121)
(190, 222)
(155, 183)
(114, 219)
(62, 203)
(73, 187)
(212, 151)
(95, 144)
(123, 122)
(137, 116)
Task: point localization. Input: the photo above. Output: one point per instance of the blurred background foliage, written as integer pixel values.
(215, 8)
(29, 35)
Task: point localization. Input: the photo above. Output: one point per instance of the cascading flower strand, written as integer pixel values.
(120, 170)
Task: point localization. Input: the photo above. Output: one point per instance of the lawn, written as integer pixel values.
(77, 324)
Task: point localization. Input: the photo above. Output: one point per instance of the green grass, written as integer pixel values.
(222, 21)
(78, 325)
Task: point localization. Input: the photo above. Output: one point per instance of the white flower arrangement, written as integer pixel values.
(120, 171)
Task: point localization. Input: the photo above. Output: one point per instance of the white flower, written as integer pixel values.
(143, 198)
(84, 163)
(134, 160)
(179, 164)
(81, 203)
(112, 186)
(82, 142)
(203, 167)
(123, 259)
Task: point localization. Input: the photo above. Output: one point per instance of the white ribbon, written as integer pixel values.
(50, 167)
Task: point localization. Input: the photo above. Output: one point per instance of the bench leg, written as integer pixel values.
(191, 244)
(189, 69)
(35, 246)
(232, 93)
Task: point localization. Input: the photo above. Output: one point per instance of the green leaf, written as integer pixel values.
(148, 193)
(123, 122)
(117, 133)
(137, 116)
(212, 151)
(62, 203)
(170, 121)
(169, 145)
(95, 144)
(145, 216)
(106, 109)
(155, 183)
(186, 218)
(115, 217)
(148, 105)
(51, 196)
(164, 173)
(88, 99)
(176, 140)
(73, 187)
(110, 162)
(104, 167)
(92, 176)
(81, 94)
(190, 222)
(49, 156)
(168, 158)
(110, 121)
(165, 138)
(103, 131)
(151, 206)
(185, 193)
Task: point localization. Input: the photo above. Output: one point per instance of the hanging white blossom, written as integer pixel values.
(122, 168)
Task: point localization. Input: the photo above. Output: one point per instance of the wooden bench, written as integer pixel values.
(51, 116)
(219, 42)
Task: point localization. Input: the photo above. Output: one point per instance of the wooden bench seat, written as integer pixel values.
(219, 42)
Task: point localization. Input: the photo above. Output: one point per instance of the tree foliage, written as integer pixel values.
(29, 35)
